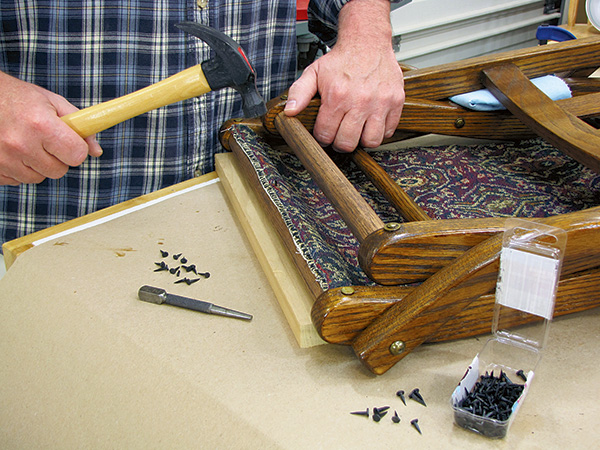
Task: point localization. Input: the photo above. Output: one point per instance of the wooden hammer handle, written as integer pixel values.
(356, 212)
(186, 84)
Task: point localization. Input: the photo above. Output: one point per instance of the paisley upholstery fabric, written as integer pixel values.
(525, 179)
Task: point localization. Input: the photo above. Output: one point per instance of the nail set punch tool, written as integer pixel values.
(159, 296)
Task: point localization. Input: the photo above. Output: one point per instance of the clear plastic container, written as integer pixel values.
(530, 266)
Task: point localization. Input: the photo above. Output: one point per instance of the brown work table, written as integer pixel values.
(84, 364)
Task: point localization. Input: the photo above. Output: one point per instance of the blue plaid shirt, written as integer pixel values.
(322, 17)
(90, 51)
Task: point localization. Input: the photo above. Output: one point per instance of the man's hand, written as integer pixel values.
(35, 143)
(359, 81)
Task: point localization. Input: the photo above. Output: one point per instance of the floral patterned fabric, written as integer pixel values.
(526, 179)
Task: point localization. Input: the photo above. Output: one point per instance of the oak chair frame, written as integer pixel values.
(458, 258)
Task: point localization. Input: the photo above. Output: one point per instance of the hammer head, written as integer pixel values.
(229, 68)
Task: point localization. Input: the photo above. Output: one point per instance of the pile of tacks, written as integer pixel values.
(493, 397)
(176, 270)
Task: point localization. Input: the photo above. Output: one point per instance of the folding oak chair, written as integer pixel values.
(426, 278)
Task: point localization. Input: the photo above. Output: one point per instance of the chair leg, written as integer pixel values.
(447, 293)
(340, 315)
(409, 323)
(559, 127)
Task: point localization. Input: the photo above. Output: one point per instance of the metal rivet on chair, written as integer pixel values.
(397, 347)
(391, 226)
(347, 290)
(459, 123)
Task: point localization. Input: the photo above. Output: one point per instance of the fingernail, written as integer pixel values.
(290, 105)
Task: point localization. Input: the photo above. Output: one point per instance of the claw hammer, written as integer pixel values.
(229, 68)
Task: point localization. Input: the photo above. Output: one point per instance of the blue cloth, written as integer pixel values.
(484, 100)
(91, 51)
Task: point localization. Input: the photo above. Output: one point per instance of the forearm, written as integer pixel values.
(365, 23)
(325, 15)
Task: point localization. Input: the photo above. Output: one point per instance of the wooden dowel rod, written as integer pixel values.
(355, 211)
(572, 14)
(388, 187)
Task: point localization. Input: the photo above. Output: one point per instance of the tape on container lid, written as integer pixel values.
(528, 282)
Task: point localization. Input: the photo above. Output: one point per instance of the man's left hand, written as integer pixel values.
(360, 82)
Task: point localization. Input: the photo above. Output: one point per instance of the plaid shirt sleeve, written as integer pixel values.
(90, 51)
(323, 19)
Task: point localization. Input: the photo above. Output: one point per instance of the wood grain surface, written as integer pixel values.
(418, 250)
(454, 287)
(535, 109)
(385, 184)
(427, 109)
(339, 318)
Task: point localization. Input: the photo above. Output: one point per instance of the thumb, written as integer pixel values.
(301, 92)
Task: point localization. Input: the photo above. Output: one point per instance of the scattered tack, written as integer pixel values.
(381, 409)
(401, 395)
(415, 423)
(416, 396)
(161, 266)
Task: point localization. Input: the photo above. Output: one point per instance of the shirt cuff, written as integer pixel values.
(323, 19)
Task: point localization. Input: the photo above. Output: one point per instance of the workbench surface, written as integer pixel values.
(84, 364)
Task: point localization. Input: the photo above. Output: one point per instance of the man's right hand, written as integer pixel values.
(35, 143)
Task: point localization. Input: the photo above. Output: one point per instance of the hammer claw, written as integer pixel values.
(229, 67)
